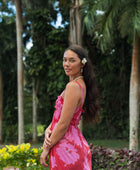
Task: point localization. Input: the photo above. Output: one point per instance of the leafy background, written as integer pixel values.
(43, 64)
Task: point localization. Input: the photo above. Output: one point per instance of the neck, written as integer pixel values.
(76, 78)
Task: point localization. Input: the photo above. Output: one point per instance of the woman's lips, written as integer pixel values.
(67, 70)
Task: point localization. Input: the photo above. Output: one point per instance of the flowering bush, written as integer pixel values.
(20, 156)
(108, 159)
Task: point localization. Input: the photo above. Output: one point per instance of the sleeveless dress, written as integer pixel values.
(72, 151)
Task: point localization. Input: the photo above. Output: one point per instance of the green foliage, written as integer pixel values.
(9, 76)
(64, 6)
(112, 72)
(29, 131)
(43, 63)
(108, 159)
(40, 28)
(113, 79)
(21, 156)
(116, 15)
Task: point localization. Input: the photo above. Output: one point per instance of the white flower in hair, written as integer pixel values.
(84, 61)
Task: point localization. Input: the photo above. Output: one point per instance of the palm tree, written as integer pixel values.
(20, 71)
(100, 19)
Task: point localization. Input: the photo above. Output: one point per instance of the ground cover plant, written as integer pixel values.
(109, 159)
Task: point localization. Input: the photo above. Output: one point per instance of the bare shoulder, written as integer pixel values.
(72, 86)
(72, 89)
(73, 92)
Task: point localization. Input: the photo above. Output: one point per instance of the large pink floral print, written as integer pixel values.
(53, 162)
(76, 136)
(64, 151)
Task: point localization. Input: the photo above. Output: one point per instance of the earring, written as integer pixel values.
(81, 70)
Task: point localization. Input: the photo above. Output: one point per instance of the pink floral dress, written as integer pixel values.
(72, 151)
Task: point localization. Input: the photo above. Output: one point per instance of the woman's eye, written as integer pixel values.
(72, 61)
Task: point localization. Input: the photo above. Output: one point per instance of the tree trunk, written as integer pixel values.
(34, 112)
(134, 96)
(19, 71)
(1, 110)
(75, 35)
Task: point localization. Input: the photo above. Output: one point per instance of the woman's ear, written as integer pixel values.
(82, 65)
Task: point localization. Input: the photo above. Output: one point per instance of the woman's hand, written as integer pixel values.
(47, 141)
(43, 157)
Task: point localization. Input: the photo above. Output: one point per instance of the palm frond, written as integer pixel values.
(106, 23)
(129, 23)
(89, 12)
(138, 18)
(122, 15)
(102, 23)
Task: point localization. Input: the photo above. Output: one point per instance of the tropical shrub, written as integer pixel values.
(21, 156)
(108, 159)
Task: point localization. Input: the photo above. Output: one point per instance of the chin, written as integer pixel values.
(67, 74)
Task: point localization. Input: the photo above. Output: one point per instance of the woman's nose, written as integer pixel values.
(67, 63)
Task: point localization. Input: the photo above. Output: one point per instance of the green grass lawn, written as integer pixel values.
(112, 143)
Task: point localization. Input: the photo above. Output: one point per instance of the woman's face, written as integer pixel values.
(72, 63)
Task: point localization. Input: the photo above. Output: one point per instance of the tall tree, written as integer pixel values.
(75, 36)
(19, 71)
(34, 111)
(134, 94)
(124, 14)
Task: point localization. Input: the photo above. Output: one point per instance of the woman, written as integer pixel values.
(65, 144)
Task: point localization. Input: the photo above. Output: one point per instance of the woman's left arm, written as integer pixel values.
(71, 101)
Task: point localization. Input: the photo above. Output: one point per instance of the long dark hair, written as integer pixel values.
(91, 104)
